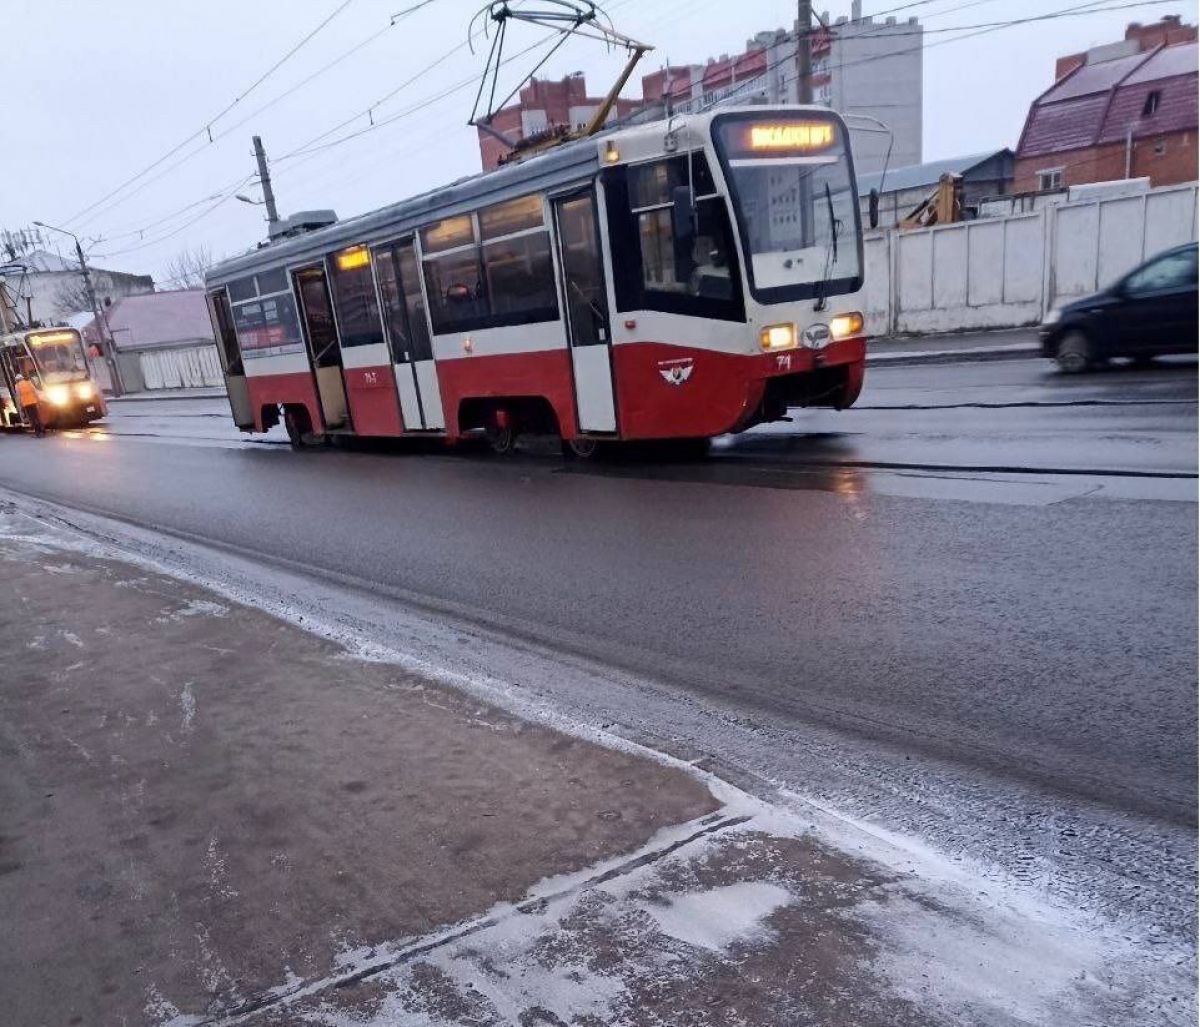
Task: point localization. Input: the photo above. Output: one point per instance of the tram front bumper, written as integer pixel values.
(828, 376)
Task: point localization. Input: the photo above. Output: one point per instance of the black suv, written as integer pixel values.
(1149, 312)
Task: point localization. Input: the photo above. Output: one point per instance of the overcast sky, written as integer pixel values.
(103, 90)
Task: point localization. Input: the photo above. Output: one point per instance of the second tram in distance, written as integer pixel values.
(674, 280)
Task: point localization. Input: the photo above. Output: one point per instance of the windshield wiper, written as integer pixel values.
(831, 251)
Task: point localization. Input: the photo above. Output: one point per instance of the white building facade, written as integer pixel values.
(868, 70)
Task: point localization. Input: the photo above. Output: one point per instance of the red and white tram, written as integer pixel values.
(673, 280)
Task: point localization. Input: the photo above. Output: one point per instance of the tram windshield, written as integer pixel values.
(796, 203)
(59, 355)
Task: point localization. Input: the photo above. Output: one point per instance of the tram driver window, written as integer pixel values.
(688, 272)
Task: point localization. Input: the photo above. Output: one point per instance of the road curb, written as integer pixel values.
(147, 397)
(1018, 351)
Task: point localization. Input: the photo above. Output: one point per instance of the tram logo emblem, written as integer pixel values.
(676, 372)
(817, 335)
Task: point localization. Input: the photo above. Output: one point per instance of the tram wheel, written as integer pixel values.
(299, 430)
(581, 449)
(502, 439)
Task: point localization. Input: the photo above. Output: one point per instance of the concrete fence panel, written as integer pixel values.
(1122, 230)
(1075, 252)
(1005, 272)
(1170, 219)
(1024, 255)
(877, 274)
(914, 261)
(987, 261)
(950, 267)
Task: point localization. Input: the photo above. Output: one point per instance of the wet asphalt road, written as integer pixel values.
(986, 563)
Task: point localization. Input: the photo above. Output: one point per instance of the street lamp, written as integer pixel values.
(102, 329)
(246, 199)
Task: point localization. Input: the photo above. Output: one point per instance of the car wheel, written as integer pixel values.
(1074, 353)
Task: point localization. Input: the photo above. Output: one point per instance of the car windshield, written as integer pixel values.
(59, 356)
(796, 203)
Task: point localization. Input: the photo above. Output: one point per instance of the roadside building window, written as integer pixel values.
(1051, 178)
(1153, 99)
(354, 301)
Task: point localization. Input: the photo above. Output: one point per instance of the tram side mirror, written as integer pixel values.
(683, 220)
(873, 208)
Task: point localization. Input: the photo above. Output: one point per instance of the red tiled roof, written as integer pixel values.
(1100, 102)
(1176, 109)
(1066, 125)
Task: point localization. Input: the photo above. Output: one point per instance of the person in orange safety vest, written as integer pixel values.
(27, 400)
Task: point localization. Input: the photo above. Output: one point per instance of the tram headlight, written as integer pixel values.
(845, 325)
(778, 336)
(59, 395)
(85, 390)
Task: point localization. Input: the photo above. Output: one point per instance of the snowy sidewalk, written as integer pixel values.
(211, 816)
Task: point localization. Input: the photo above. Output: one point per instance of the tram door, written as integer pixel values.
(408, 336)
(320, 329)
(231, 358)
(586, 310)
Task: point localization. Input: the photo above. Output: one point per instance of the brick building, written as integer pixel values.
(1124, 110)
(860, 66)
(542, 105)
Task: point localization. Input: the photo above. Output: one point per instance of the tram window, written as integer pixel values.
(520, 279)
(457, 301)
(403, 304)
(242, 289)
(222, 318)
(692, 274)
(653, 184)
(271, 281)
(395, 317)
(354, 298)
(267, 327)
(414, 301)
(448, 234)
(511, 217)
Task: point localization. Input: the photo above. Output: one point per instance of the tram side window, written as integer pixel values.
(222, 318)
(354, 297)
(454, 275)
(690, 273)
(403, 304)
(518, 267)
(267, 326)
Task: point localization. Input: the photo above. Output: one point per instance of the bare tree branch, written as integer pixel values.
(186, 269)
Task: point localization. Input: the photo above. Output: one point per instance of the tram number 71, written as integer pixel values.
(783, 362)
(370, 377)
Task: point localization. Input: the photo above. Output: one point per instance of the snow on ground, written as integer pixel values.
(943, 936)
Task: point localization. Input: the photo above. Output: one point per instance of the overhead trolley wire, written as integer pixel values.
(206, 129)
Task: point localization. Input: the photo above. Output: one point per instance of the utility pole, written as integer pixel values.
(804, 31)
(101, 322)
(264, 179)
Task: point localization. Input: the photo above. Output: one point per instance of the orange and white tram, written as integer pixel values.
(673, 280)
